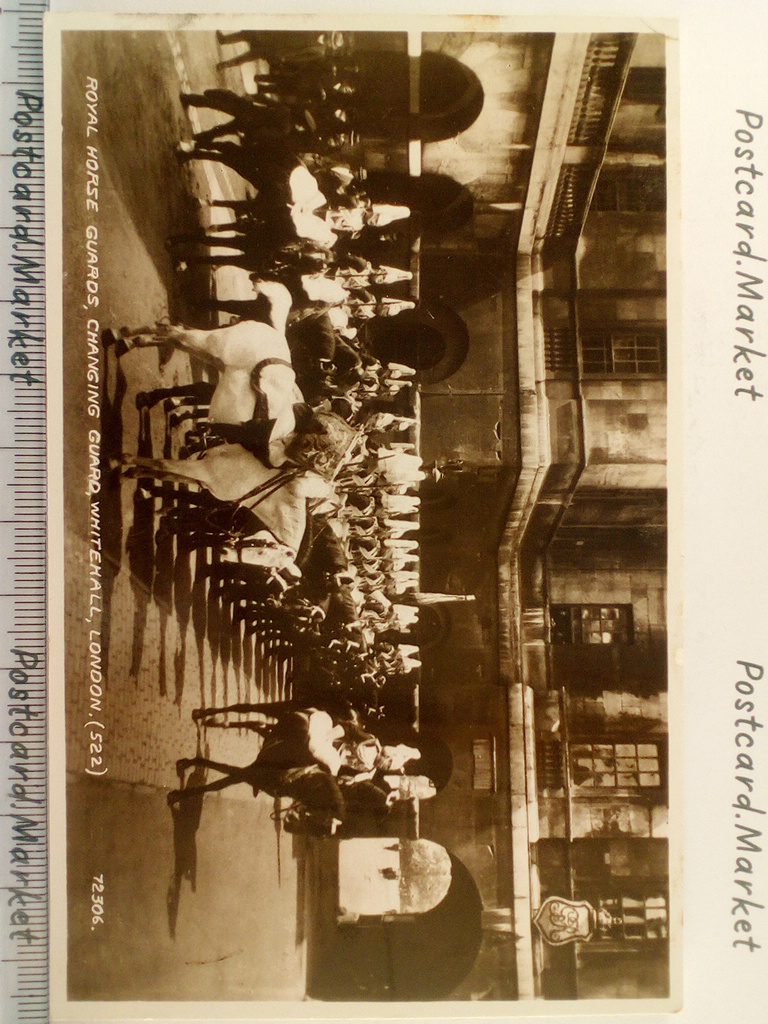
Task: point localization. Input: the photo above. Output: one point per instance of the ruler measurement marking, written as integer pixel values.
(26, 973)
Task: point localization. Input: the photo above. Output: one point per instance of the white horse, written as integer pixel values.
(252, 358)
(233, 474)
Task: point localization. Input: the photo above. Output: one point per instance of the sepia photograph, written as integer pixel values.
(362, 667)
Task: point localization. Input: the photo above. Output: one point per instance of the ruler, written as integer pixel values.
(23, 712)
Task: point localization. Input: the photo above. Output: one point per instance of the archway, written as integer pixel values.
(432, 338)
(422, 957)
(450, 96)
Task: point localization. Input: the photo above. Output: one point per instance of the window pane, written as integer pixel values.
(648, 779)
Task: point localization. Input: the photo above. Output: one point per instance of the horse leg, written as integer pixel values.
(205, 762)
(187, 237)
(265, 731)
(183, 471)
(246, 309)
(210, 135)
(219, 229)
(141, 337)
(240, 207)
(193, 99)
(187, 152)
(273, 709)
(228, 102)
(240, 36)
(234, 62)
(231, 777)
(199, 342)
(196, 412)
(231, 154)
(199, 391)
(235, 260)
(216, 239)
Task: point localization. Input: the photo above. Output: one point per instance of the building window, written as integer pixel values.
(623, 353)
(591, 624)
(615, 765)
(635, 190)
(484, 765)
(634, 919)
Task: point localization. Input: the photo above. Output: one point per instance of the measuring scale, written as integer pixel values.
(23, 720)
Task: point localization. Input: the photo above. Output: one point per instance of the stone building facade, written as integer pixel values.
(551, 511)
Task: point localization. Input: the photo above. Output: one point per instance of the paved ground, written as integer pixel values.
(193, 908)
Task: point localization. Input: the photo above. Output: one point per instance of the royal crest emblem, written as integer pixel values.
(561, 920)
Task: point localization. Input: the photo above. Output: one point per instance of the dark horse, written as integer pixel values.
(284, 767)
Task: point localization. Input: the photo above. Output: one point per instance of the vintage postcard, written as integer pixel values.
(359, 505)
